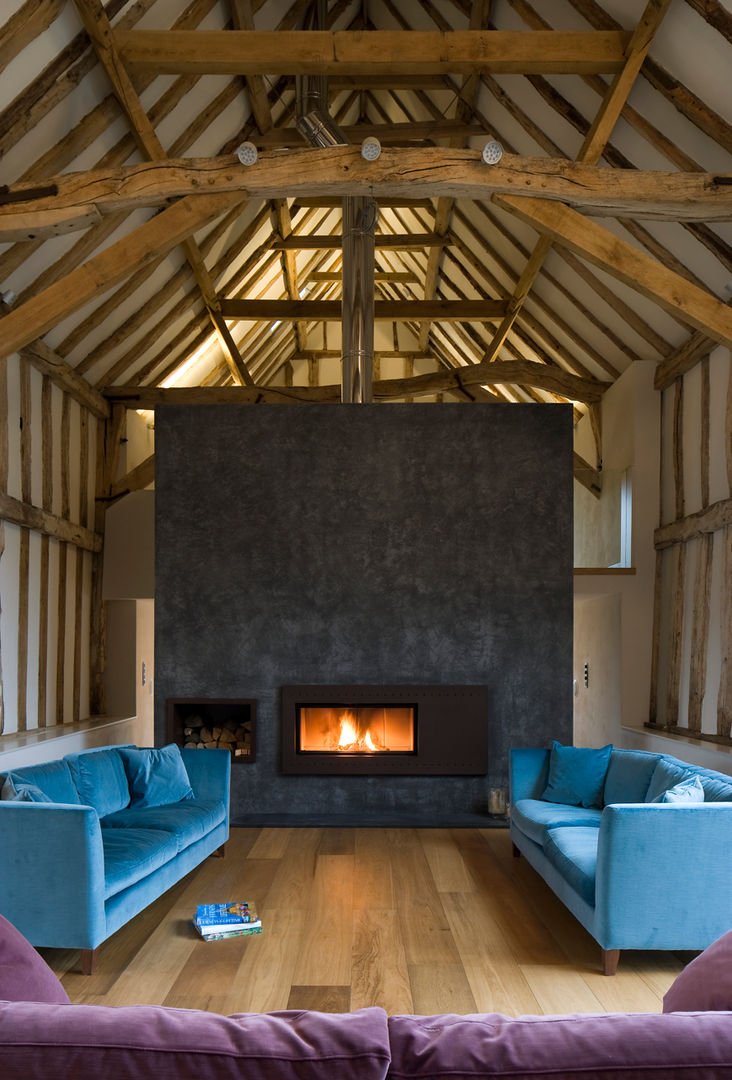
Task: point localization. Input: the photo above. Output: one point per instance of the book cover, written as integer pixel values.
(234, 912)
(220, 927)
(242, 931)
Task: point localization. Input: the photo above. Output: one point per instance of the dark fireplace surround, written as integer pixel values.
(360, 545)
(448, 730)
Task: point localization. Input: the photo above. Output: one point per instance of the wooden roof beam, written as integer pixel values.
(147, 243)
(243, 19)
(464, 106)
(136, 479)
(675, 294)
(590, 152)
(341, 171)
(391, 52)
(399, 277)
(506, 372)
(98, 27)
(388, 134)
(384, 310)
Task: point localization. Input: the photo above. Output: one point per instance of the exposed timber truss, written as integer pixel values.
(142, 254)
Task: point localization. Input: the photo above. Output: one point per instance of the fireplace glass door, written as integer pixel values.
(394, 730)
(356, 729)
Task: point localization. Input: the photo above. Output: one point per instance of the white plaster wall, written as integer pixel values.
(597, 644)
(630, 423)
(129, 548)
(145, 669)
(121, 668)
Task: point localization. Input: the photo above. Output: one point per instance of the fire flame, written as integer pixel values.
(350, 739)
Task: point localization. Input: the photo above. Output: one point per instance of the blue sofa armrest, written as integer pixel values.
(528, 771)
(209, 772)
(662, 868)
(52, 873)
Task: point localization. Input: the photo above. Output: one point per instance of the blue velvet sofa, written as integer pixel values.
(89, 840)
(646, 862)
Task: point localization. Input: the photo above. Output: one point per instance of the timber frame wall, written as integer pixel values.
(691, 683)
(51, 462)
(60, 439)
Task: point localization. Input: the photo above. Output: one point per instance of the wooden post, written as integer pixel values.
(63, 556)
(24, 555)
(109, 435)
(3, 487)
(47, 503)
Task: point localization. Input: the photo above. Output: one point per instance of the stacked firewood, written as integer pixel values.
(235, 736)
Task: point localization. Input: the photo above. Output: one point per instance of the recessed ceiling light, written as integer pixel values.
(247, 153)
(492, 153)
(370, 148)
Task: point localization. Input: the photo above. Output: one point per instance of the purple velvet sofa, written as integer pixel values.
(42, 1035)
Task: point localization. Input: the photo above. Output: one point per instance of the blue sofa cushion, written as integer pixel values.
(53, 778)
(667, 774)
(573, 851)
(100, 779)
(185, 821)
(533, 817)
(156, 776)
(716, 788)
(628, 776)
(14, 789)
(686, 791)
(132, 854)
(577, 775)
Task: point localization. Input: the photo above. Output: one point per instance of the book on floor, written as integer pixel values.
(236, 918)
(241, 931)
(234, 912)
(222, 927)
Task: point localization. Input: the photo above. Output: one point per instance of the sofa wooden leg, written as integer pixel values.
(88, 960)
(515, 851)
(220, 853)
(610, 959)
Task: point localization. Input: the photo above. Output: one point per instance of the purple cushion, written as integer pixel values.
(24, 975)
(610, 1047)
(147, 1042)
(705, 983)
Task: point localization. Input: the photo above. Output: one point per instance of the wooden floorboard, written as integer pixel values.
(414, 920)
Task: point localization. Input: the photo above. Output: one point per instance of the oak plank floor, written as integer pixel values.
(413, 920)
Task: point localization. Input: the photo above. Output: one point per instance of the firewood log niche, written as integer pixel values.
(214, 723)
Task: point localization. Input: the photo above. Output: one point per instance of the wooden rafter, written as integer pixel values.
(681, 97)
(100, 33)
(464, 106)
(322, 52)
(243, 19)
(346, 48)
(147, 243)
(586, 238)
(590, 152)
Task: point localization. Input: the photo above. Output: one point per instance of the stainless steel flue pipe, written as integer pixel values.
(360, 215)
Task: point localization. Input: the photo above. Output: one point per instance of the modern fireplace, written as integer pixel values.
(387, 730)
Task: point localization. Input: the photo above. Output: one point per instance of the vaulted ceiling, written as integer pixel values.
(140, 254)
